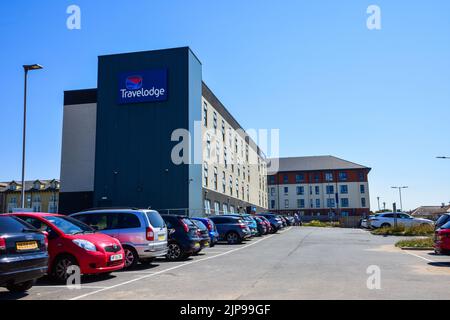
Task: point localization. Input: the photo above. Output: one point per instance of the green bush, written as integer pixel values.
(321, 224)
(416, 243)
(401, 230)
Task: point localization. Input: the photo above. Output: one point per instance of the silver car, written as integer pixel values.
(143, 233)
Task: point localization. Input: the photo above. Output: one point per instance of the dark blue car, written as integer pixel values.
(275, 221)
(231, 229)
(212, 229)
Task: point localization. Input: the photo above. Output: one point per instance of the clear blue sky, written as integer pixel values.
(310, 68)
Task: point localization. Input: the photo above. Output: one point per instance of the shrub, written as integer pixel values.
(416, 243)
(401, 230)
(317, 223)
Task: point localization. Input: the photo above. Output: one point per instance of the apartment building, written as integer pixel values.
(152, 134)
(40, 195)
(320, 186)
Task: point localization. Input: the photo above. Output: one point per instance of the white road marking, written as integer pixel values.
(173, 268)
(416, 255)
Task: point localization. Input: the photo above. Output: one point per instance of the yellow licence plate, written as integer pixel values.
(28, 245)
(162, 237)
(197, 245)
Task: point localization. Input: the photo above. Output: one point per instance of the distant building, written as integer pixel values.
(40, 195)
(430, 212)
(322, 187)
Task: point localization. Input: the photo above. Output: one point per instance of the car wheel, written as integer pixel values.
(20, 287)
(233, 238)
(131, 257)
(386, 225)
(60, 267)
(174, 252)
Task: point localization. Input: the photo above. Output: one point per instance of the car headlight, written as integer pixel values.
(86, 245)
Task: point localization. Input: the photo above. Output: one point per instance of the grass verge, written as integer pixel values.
(400, 230)
(316, 223)
(416, 243)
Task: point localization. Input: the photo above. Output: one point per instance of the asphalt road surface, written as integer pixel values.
(297, 263)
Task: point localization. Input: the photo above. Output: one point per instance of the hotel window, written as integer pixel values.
(330, 189)
(317, 177)
(300, 203)
(216, 207)
(272, 191)
(286, 204)
(225, 208)
(223, 131)
(223, 182)
(208, 146)
(246, 152)
(225, 157)
(300, 190)
(205, 174)
(248, 193)
(272, 204)
(363, 202)
(207, 206)
(299, 178)
(217, 151)
(342, 176)
(310, 190)
(215, 178)
(272, 179)
(237, 188)
(236, 145)
(239, 171)
(205, 114)
(230, 136)
(243, 172)
(344, 202)
(215, 121)
(242, 148)
(362, 188)
(286, 190)
(317, 203)
(330, 203)
(285, 178)
(361, 176)
(328, 176)
(311, 203)
(344, 189)
(243, 192)
(317, 190)
(230, 184)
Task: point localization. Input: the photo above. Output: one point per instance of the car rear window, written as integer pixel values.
(12, 225)
(442, 219)
(155, 219)
(188, 222)
(200, 225)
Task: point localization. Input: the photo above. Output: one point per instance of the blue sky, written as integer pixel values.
(310, 68)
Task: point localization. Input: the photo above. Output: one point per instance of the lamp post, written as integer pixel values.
(378, 199)
(400, 193)
(445, 158)
(26, 68)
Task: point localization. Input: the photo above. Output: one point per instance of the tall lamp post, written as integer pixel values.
(26, 68)
(400, 193)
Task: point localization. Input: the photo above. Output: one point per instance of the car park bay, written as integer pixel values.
(296, 263)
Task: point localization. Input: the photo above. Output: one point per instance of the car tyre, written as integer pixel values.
(20, 287)
(175, 252)
(60, 266)
(131, 257)
(233, 238)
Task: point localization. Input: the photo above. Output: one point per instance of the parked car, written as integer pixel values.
(142, 233)
(283, 221)
(231, 229)
(23, 254)
(290, 220)
(183, 240)
(442, 220)
(267, 222)
(387, 220)
(275, 221)
(248, 219)
(262, 226)
(72, 242)
(213, 234)
(203, 234)
(442, 239)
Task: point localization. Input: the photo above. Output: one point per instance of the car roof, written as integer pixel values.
(115, 210)
(36, 214)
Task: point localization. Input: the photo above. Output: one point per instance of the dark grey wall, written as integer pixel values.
(133, 147)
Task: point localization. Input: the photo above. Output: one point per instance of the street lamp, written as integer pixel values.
(26, 68)
(400, 193)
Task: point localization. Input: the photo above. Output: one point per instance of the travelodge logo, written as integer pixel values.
(143, 86)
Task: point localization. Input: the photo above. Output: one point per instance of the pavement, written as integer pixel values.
(297, 263)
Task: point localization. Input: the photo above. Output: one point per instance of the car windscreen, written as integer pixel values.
(446, 225)
(13, 225)
(155, 219)
(69, 225)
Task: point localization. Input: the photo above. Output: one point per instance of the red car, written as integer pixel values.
(71, 242)
(442, 239)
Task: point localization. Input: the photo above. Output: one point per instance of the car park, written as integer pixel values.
(275, 221)
(212, 229)
(232, 229)
(203, 234)
(388, 220)
(23, 254)
(442, 239)
(184, 239)
(73, 243)
(142, 233)
(443, 219)
(248, 219)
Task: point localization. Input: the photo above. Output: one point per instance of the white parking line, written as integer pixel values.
(417, 256)
(173, 268)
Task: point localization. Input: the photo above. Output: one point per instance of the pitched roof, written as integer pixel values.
(430, 210)
(29, 185)
(312, 163)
